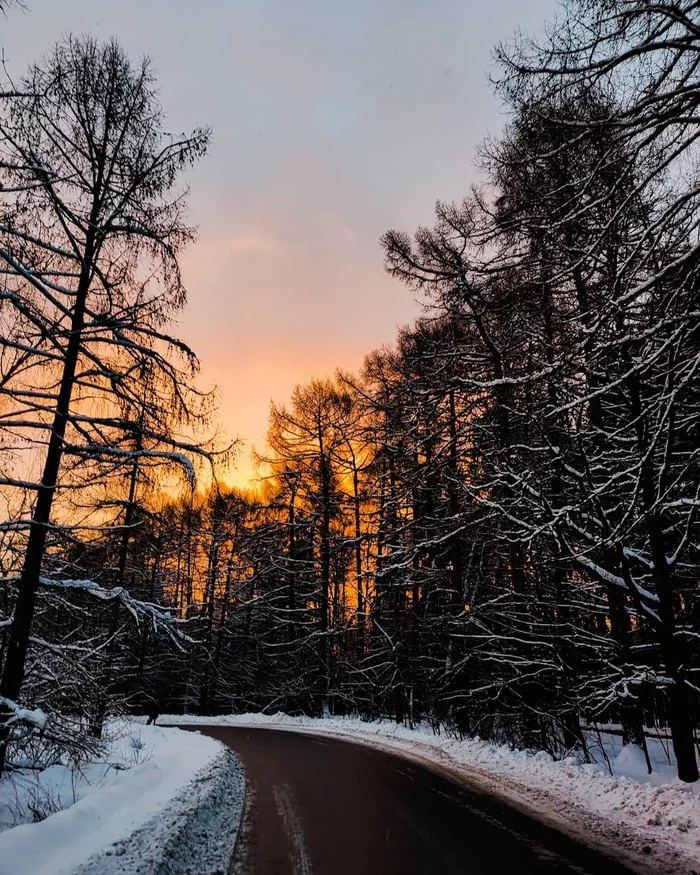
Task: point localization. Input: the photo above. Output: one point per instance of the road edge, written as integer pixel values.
(184, 837)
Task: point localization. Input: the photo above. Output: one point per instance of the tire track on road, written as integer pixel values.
(284, 802)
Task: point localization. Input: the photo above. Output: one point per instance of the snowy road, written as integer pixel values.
(321, 806)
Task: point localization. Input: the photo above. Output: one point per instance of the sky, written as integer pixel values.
(333, 121)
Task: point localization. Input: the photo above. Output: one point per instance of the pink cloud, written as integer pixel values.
(249, 244)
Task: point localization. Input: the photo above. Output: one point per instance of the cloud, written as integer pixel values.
(249, 244)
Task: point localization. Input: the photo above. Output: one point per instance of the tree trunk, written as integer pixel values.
(13, 671)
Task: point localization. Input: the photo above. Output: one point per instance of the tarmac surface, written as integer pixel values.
(321, 806)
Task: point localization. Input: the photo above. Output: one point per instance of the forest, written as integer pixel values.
(492, 526)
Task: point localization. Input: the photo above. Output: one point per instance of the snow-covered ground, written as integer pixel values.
(156, 796)
(651, 820)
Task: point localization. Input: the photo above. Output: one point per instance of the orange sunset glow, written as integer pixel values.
(328, 128)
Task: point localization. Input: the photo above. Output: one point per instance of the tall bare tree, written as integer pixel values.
(89, 249)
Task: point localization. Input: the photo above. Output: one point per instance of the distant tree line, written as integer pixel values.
(494, 525)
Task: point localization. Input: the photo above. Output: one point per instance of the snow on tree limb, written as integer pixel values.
(160, 618)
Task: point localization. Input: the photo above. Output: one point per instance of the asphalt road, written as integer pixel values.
(321, 806)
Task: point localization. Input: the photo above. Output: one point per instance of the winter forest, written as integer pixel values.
(493, 526)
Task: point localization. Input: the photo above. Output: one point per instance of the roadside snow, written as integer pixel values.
(154, 792)
(653, 821)
(195, 833)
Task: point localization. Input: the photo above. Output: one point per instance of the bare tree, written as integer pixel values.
(89, 253)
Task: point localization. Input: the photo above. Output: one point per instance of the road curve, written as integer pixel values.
(323, 806)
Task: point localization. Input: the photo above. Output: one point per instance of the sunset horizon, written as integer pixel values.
(329, 128)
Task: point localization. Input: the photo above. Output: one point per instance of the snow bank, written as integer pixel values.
(155, 787)
(652, 820)
(195, 832)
